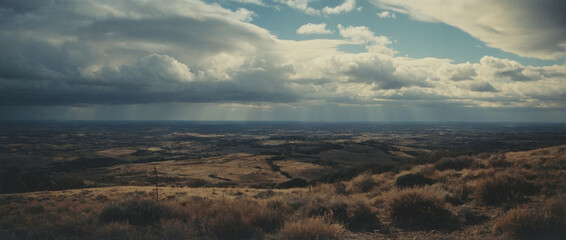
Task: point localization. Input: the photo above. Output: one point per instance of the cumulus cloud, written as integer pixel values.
(346, 6)
(128, 52)
(386, 14)
(311, 28)
(188, 51)
(302, 5)
(526, 28)
(362, 35)
(158, 72)
(245, 14)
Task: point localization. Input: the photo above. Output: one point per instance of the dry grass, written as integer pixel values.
(413, 180)
(314, 228)
(141, 213)
(547, 222)
(465, 202)
(504, 187)
(363, 183)
(457, 163)
(355, 212)
(420, 208)
(231, 218)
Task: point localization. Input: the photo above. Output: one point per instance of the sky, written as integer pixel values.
(283, 60)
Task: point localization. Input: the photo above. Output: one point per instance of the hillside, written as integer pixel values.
(483, 196)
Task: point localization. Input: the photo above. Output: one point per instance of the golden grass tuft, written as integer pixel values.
(420, 208)
(313, 228)
(355, 212)
(503, 187)
(363, 183)
(547, 222)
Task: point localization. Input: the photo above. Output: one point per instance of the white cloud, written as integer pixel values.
(524, 27)
(346, 6)
(357, 34)
(110, 52)
(386, 14)
(256, 2)
(311, 28)
(245, 14)
(302, 5)
(362, 35)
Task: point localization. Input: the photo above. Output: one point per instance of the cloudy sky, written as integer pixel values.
(298, 60)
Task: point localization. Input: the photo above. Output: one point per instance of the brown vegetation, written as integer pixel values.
(547, 222)
(422, 208)
(313, 228)
(453, 198)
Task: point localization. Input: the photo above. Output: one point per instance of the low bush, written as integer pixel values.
(233, 219)
(498, 161)
(313, 228)
(471, 216)
(293, 183)
(141, 213)
(360, 215)
(421, 208)
(413, 180)
(361, 184)
(548, 222)
(354, 212)
(502, 188)
(196, 182)
(457, 163)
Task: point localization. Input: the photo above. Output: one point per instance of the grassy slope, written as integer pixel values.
(524, 184)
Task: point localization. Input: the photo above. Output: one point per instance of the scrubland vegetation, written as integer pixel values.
(515, 195)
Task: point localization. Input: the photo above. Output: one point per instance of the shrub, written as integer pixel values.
(548, 222)
(360, 215)
(293, 183)
(234, 219)
(195, 183)
(354, 212)
(340, 188)
(311, 228)
(457, 163)
(361, 184)
(421, 208)
(412, 180)
(141, 213)
(471, 216)
(499, 161)
(113, 213)
(175, 229)
(503, 188)
(265, 194)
